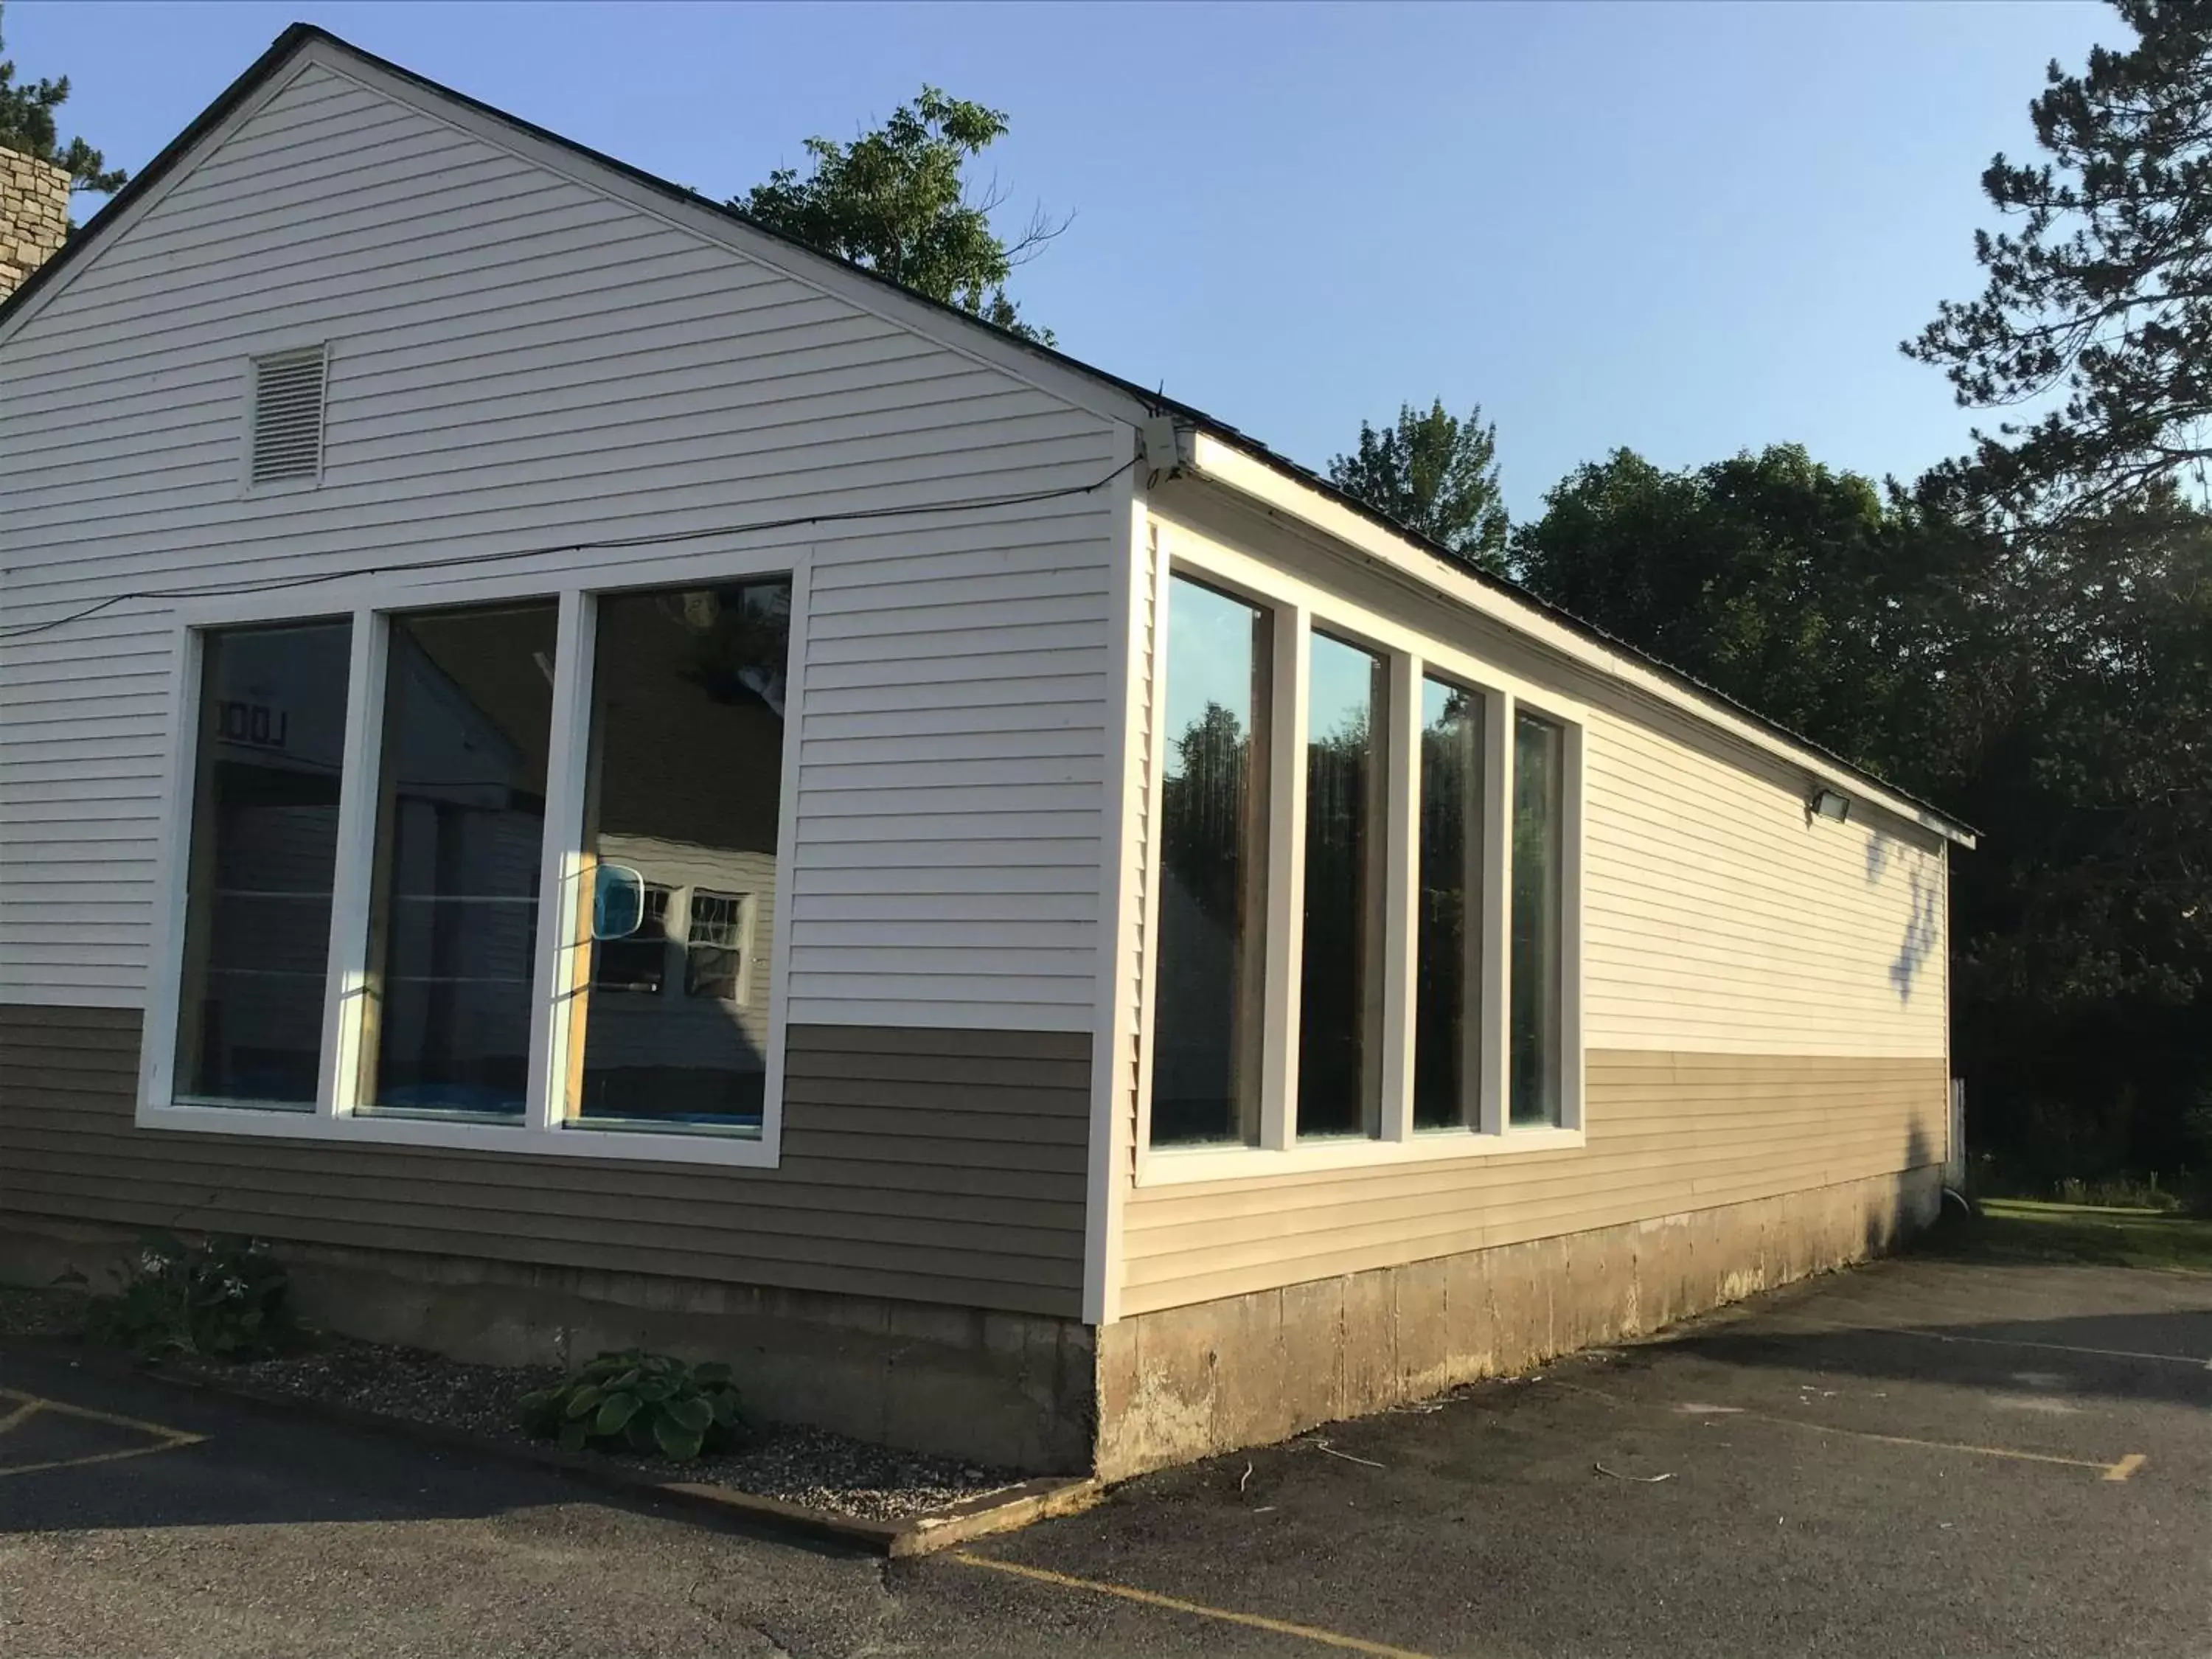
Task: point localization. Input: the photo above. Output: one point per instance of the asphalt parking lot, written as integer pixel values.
(1923, 1458)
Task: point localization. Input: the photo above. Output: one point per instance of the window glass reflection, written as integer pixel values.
(683, 785)
(1210, 972)
(1539, 861)
(459, 827)
(1340, 998)
(1448, 964)
(273, 712)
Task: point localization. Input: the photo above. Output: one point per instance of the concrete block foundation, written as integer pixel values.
(1052, 1395)
(1189, 1383)
(1013, 1390)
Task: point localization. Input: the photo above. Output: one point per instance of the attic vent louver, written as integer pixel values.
(288, 414)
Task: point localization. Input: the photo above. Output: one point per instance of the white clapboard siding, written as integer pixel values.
(519, 360)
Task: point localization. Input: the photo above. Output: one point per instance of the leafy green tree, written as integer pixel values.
(1435, 474)
(895, 201)
(27, 123)
(2100, 299)
(2052, 685)
(1789, 586)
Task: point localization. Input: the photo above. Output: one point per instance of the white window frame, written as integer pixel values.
(1299, 609)
(542, 1129)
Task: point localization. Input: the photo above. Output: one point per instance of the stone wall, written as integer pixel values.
(34, 215)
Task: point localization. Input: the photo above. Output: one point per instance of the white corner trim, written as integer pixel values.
(1233, 469)
(1113, 1030)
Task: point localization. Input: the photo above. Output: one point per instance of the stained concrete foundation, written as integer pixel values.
(1187, 1383)
(1052, 1395)
(1009, 1389)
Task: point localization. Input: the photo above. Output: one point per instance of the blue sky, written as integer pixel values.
(1686, 229)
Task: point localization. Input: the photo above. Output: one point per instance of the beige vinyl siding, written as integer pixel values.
(1668, 1133)
(520, 360)
(926, 1164)
(1716, 916)
(1765, 1002)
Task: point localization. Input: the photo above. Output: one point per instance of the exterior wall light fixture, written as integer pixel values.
(1826, 803)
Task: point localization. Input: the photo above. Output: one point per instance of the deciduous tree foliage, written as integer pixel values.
(2054, 691)
(2102, 296)
(1768, 576)
(27, 123)
(1435, 474)
(895, 201)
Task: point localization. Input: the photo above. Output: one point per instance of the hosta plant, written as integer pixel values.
(648, 1403)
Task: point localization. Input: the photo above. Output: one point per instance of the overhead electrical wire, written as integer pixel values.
(613, 543)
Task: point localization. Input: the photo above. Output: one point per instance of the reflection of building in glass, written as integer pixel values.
(460, 828)
(685, 787)
(264, 846)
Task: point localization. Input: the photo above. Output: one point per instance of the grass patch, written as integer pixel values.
(2025, 1230)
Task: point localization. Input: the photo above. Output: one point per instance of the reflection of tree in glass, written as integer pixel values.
(1202, 810)
(739, 640)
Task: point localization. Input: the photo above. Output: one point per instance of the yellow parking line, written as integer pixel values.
(2119, 1471)
(7, 1469)
(2191, 1359)
(29, 1404)
(1327, 1639)
(109, 1418)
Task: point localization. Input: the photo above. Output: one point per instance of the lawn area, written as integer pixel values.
(2024, 1230)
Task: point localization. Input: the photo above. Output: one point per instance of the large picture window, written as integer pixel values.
(507, 873)
(259, 875)
(1341, 990)
(1208, 1018)
(684, 787)
(460, 823)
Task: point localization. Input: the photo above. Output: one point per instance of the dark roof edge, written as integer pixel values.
(300, 34)
(157, 169)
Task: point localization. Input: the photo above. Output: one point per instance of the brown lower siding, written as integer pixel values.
(923, 1166)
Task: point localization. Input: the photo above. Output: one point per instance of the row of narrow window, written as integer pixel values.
(1209, 1021)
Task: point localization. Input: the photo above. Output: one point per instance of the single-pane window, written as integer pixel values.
(1210, 979)
(714, 955)
(638, 962)
(460, 820)
(683, 783)
(1540, 751)
(1340, 995)
(1448, 966)
(272, 713)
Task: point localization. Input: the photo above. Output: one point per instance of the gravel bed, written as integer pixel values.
(25, 1312)
(798, 1465)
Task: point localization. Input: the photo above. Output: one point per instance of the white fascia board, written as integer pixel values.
(1231, 468)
